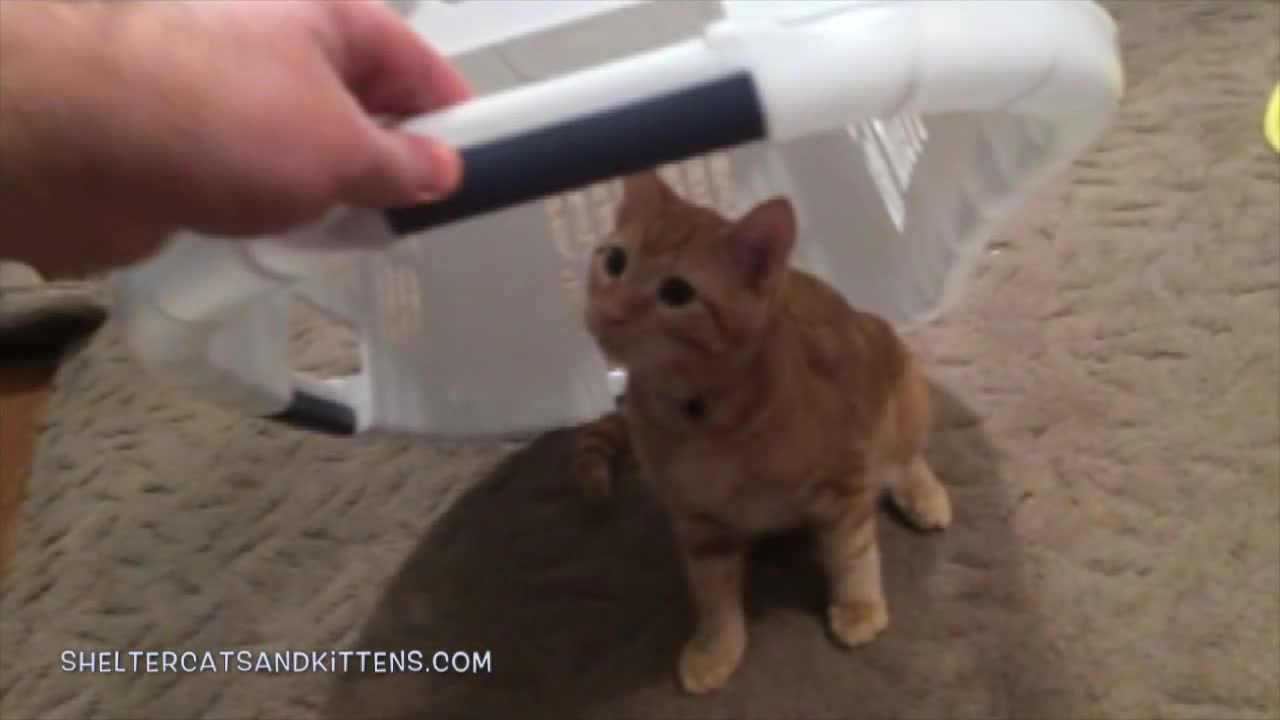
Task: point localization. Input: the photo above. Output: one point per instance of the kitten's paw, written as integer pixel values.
(706, 666)
(595, 482)
(923, 499)
(930, 510)
(858, 623)
(592, 476)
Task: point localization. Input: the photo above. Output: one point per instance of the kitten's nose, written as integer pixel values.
(613, 313)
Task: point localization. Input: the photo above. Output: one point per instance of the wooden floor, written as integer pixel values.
(24, 390)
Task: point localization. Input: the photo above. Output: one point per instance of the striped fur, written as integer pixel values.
(759, 401)
(597, 448)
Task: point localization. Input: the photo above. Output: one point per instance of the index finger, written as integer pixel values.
(388, 67)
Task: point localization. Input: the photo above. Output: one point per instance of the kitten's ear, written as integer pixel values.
(760, 244)
(643, 193)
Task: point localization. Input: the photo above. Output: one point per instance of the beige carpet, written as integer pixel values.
(1110, 431)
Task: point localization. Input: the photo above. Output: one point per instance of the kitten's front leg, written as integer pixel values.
(918, 493)
(595, 450)
(715, 561)
(851, 558)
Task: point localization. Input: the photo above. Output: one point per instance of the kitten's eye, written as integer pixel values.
(675, 291)
(615, 261)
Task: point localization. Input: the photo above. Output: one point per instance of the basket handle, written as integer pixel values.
(709, 116)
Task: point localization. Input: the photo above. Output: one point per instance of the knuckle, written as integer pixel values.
(303, 190)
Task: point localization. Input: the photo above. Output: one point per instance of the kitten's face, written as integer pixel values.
(677, 286)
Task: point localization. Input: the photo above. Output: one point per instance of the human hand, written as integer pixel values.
(124, 122)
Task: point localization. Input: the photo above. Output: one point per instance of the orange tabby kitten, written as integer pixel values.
(757, 400)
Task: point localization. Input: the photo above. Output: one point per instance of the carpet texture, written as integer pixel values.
(1109, 428)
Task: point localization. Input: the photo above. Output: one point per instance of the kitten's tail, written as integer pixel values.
(596, 449)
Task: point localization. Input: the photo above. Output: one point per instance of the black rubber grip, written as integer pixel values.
(710, 116)
(316, 414)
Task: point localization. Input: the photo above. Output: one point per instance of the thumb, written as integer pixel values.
(405, 169)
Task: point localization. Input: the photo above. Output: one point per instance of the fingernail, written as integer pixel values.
(438, 168)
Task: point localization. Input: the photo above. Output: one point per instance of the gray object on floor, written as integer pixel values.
(40, 319)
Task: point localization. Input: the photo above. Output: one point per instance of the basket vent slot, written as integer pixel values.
(320, 344)
(398, 297)
(891, 149)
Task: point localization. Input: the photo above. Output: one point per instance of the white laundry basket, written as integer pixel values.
(904, 132)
